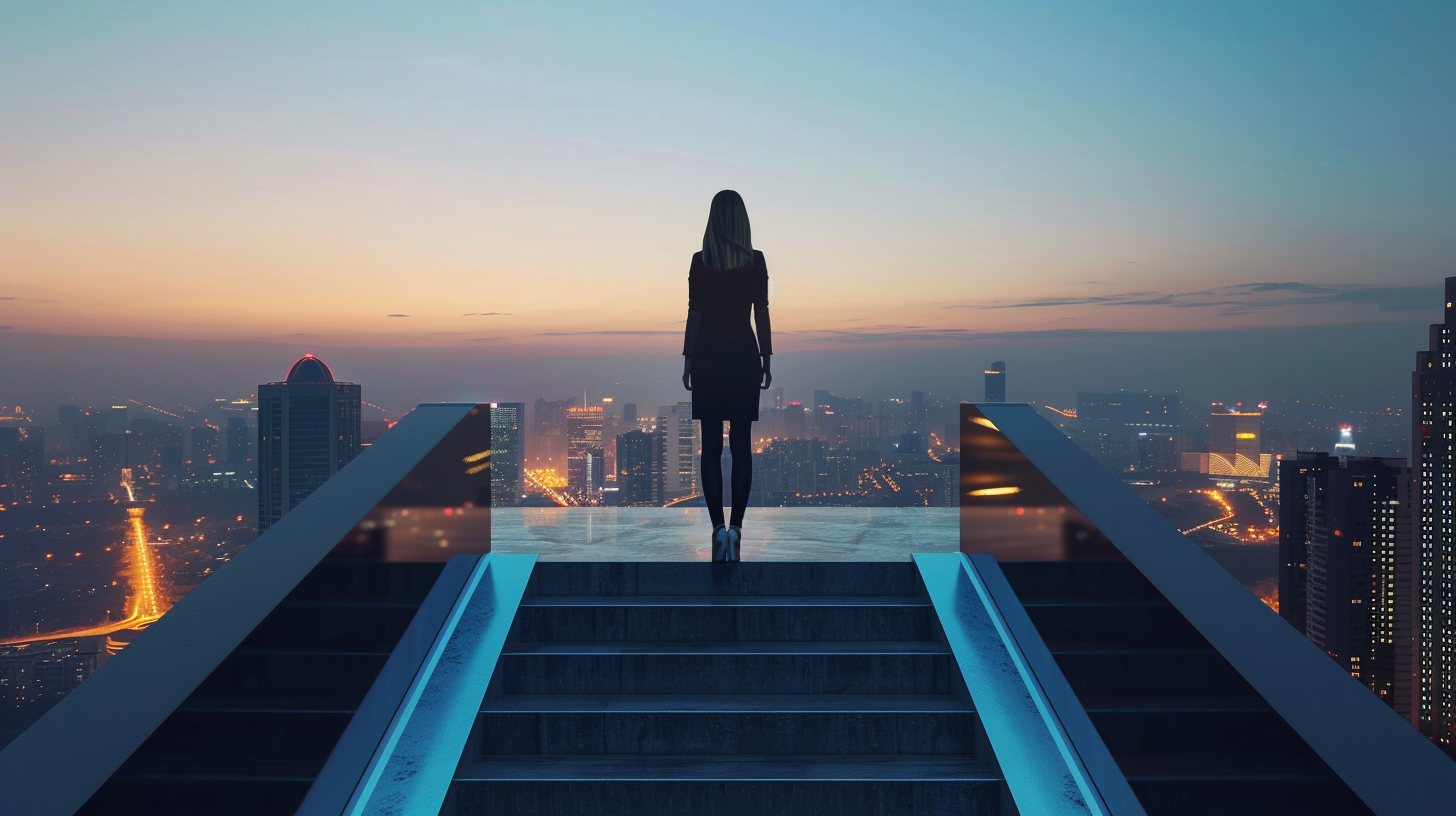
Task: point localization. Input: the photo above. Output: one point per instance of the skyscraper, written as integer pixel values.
(1234, 443)
(237, 443)
(1433, 457)
(1346, 576)
(507, 453)
(635, 452)
(585, 454)
(308, 428)
(794, 421)
(996, 382)
(677, 452)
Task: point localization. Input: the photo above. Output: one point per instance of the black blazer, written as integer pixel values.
(719, 304)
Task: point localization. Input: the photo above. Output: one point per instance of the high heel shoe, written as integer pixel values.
(720, 544)
(735, 534)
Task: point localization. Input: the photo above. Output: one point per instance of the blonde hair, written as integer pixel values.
(727, 242)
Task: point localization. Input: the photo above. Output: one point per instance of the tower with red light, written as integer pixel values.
(308, 428)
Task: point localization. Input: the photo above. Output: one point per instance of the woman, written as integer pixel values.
(724, 364)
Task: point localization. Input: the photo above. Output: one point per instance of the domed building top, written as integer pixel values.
(309, 369)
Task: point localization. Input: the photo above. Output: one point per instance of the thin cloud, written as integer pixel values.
(481, 339)
(884, 334)
(483, 314)
(6, 328)
(397, 315)
(9, 297)
(1034, 303)
(1247, 297)
(634, 332)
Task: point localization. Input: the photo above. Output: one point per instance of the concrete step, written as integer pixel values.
(727, 702)
(855, 786)
(1123, 621)
(724, 618)
(1039, 581)
(1115, 668)
(240, 733)
(1211, 726)
(334, 625)
(1255, 785)
(707, 797)
(221, 794)
(718, 670)
(716, 733)
(295, 672)
(743, 578)
(339, 578)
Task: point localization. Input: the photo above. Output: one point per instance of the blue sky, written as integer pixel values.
(187, 172)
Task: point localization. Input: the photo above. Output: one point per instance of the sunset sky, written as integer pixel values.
(531, 178)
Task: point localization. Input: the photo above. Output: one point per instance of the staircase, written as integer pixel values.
(254, 735)
(1191, 735)
(750, 688)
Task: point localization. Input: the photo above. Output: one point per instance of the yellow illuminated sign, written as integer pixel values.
(1245, 436)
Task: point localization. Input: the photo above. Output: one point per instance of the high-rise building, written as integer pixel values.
(507, 453)
(1235, 446)
(676, 461)
(795, 421)
(635, 453)
(1433, 462)
(308, 428)
(585, 454)
(203, 443)
(547, 440)
(996, 382)
(237, 443)
(1346, 573)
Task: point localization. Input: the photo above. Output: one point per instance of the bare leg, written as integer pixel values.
(740, 439)
(711, 469)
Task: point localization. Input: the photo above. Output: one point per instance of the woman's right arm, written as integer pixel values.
(763, 329)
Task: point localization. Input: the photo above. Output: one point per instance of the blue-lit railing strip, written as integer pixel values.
(411, 771)
(1053, 693)
(371, 724)
(1040, 767)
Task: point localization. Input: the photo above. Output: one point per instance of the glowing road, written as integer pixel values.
(146, 598)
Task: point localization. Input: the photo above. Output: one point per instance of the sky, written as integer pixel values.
(476, 198)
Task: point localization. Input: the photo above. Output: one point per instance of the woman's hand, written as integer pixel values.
(687, 371)
(767, 376)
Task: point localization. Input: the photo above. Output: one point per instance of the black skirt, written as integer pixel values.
(726, 387)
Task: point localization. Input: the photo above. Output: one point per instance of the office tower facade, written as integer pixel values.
(238, 446)
(996, 382)
(1235, 446)
(1347, 564)
(585, 453)
(547, 438)
(203, 444)
(795, 421)
(678, 444)
(1433, 461)
(1129, 430)
(635, 452)
(507, 453)
(308, 428)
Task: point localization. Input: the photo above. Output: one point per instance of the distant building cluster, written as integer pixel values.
(840, 451)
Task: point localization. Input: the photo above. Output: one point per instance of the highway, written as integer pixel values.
(146, 597)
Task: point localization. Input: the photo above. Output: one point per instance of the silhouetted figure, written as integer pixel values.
(724, 364)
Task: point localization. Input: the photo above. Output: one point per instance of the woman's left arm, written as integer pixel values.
(761, 325)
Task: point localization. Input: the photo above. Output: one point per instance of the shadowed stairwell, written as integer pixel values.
(726, 689)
